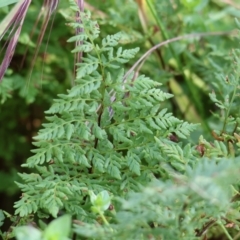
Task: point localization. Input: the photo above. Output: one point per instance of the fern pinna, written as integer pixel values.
(102, 134)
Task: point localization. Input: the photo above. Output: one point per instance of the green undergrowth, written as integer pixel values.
(107, 133)
(115, 159)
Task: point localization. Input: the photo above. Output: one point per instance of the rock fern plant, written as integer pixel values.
(109, 132)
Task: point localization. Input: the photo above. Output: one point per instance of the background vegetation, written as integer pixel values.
(190, 69)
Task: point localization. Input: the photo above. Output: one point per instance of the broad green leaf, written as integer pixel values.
(100, 202)
(27, 233)
(58, 229)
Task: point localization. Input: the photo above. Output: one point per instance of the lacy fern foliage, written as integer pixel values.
(107, 133)
(182, 208)
(226, 98)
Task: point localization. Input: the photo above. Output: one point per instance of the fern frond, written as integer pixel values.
(101, 134)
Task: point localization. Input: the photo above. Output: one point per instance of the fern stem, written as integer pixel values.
(224, 230)
(103, 218)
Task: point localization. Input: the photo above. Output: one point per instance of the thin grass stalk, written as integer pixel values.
(49, 6)
(15, 20)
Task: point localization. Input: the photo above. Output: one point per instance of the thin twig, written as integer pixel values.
(192, 35)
